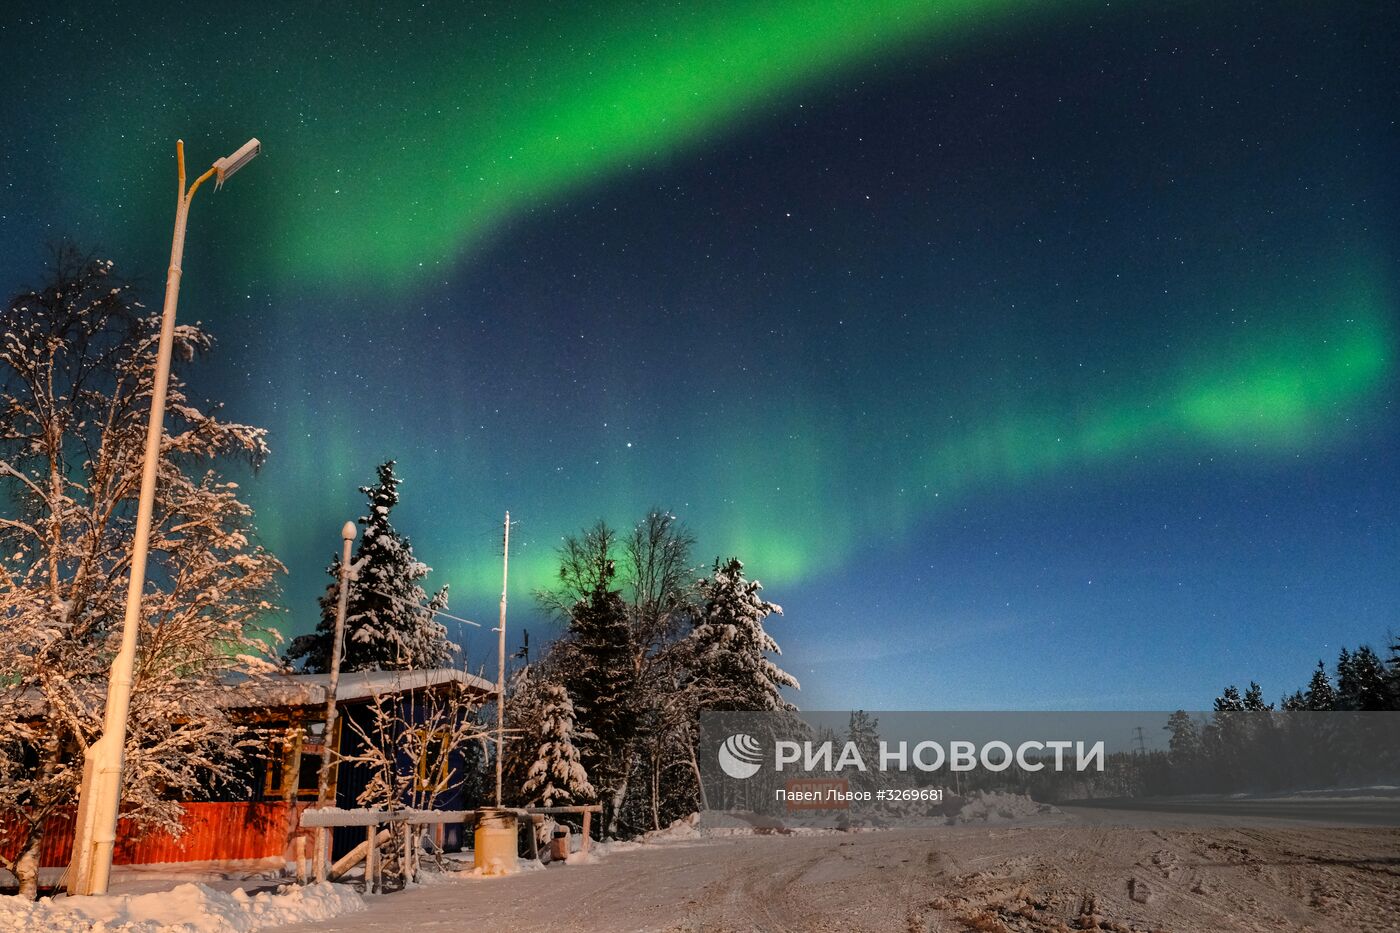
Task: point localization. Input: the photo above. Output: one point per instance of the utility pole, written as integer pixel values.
(501, 662)
(323, 782)
(99, 800)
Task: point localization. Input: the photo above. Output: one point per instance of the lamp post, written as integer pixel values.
(323, 782)
(99, 801)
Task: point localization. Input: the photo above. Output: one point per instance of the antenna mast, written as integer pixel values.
(501, 661)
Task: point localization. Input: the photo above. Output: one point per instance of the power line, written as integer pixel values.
(436, 612)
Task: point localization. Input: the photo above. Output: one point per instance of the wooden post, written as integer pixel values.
(299, 854)
(322, 850)
(371, 862)
(532, 824)
(587, 820)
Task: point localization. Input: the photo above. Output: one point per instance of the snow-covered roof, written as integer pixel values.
(313, 689)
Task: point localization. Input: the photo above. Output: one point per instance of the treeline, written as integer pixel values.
(1364, 683)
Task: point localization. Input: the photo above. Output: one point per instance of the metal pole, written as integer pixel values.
(101, 793)
(501, 663)
(323, 782)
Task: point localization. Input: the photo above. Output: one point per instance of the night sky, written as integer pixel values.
(1034, 355)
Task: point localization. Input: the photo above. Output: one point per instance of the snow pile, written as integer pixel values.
(985, 807)
(187, 908)
(471, 873)
(683, 828)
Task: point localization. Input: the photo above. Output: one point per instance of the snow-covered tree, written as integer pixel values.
(390, 621)
(731, 646)
(602, 680)
(645, 653)
(1392, 675)
(76, 379)
(1320, 696)
(1254, 699)
(410, 743)
(1229, 701)
(660, 583)
(557, 778)
(1185, 740)
(863, 730)
(1361, 681)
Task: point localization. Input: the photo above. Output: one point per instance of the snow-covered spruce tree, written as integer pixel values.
(1361, 681)
(76, 370)
(1229, 701)
(524, 713)
(863, 731)
(603, 683)
(1254, 699)
(557, 778)
(732, 670)
(1321, 696)
(389, 621)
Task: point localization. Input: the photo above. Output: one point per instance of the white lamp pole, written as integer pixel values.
(99, 801)
(323, 782)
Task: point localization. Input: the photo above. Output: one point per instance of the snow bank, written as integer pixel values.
(187, 908)
(984, 807)
(468, 872)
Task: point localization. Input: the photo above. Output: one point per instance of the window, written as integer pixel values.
(293, 762)
(309, 767)
(278, 746)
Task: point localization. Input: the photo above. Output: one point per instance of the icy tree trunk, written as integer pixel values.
(655, 792)
(699, 784)
(27, 864)
(620, 796)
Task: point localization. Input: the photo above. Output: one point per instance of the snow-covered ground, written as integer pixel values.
(1041, 875)
(186, 908)
(1005, 865)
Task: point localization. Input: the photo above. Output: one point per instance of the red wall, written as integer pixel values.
(213, 831)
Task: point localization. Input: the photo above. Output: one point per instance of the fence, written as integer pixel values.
(212, 832)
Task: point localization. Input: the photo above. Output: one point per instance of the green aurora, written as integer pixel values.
(390, 169)
(1275, 395)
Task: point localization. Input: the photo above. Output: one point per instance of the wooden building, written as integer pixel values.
(257, 817)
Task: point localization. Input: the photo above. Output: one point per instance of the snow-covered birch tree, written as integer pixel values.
(76, 371)
(410, 743)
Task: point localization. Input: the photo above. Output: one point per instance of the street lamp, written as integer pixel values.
(95, 833)
(323, 781)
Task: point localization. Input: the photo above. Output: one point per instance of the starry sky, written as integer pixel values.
(1034, 355)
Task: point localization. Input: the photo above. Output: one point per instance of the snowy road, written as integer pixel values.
(1014, 877)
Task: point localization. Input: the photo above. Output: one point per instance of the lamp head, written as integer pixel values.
(225, 167)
